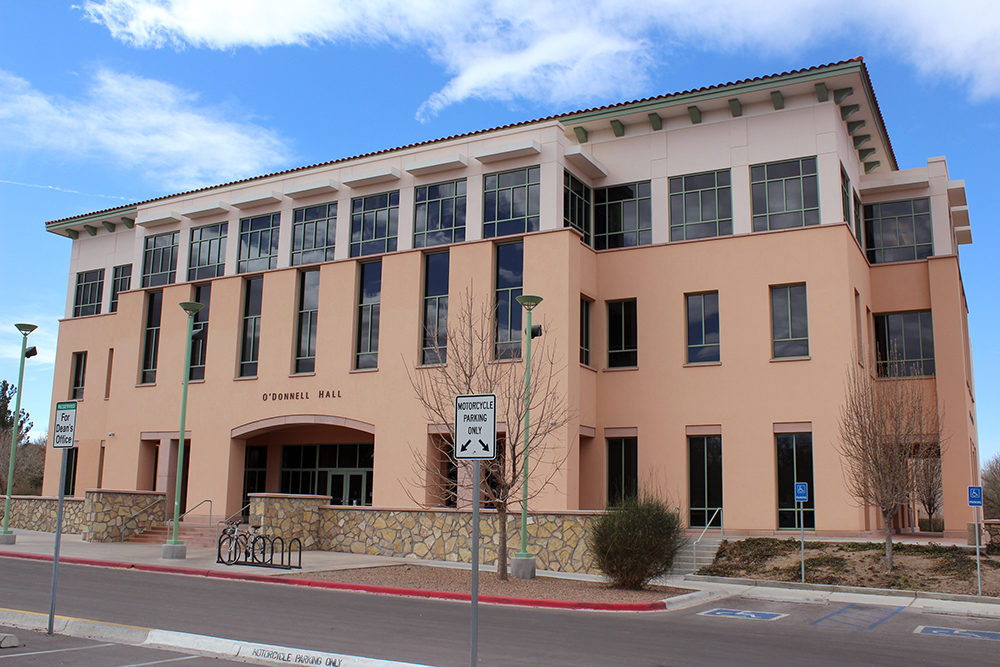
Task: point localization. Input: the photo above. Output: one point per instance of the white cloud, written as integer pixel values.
(151, 127)
(565, 51)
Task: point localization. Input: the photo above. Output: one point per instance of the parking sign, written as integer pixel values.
(975, 496)
(801, 492)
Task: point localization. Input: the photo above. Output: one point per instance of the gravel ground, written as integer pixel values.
(460, 581)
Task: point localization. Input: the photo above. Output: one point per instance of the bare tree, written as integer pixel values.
(929, 487)
(29, 464)
(990, 479)
(885, 424)
(476, 363)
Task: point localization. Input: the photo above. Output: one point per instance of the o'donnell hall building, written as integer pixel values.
(712, 263)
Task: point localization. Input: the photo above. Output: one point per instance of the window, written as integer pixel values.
(374, 222)
(703, 327)
(369, 300)
(904, 344)
(622, 339)
(72, 455)
(511, 202)
(623, 470)
(785, 194)
(584, 331)
(435, 339)
(254, 471)
(253, 295)
(159, 260)
(342, 471)
(439, 214)
(898, 231)
(845, 195)
(509, 281)
(122, 282)
(576, 205)
(305, 348)
(705, 480)
(207, 256)
(79, 374)
(314, 231)
(795, 464)
(258, 243)
(789, 321)
(701, 206)
(154, 304)
(89, 289)
(107, 378)
(199, 337)
(858, 221)
(623, 216)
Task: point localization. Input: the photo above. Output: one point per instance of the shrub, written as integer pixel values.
(636, 540)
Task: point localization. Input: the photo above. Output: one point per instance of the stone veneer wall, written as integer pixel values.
(114, 516)
(289, 517)
(39, 513)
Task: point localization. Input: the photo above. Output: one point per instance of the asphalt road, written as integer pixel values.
(433, 632)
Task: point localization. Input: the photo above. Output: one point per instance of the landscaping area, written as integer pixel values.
(933, 567)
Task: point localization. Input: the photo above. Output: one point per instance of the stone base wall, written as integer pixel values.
(40, 512)
(289, 517)
(115, 516)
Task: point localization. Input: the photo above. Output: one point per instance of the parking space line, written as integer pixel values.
(55, 650)
(161, 662)
(957, 632)
(860, 616)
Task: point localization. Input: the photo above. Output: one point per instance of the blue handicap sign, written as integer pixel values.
(801, 492)
(744, 614)
(955, 632)
(975, 496)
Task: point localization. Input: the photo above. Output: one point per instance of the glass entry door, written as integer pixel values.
(348, 487)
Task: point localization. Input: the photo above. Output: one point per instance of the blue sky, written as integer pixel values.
(108, 102)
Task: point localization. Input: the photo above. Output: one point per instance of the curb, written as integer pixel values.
(659, 605)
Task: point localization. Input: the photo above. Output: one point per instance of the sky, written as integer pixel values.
(110, 102)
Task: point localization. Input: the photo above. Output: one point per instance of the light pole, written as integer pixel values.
(6, 536)
(523, 564)
(174, 548)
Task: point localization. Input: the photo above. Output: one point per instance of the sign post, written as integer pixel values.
(976, 500)
(475, 441)
(63, 438)
(801, 497)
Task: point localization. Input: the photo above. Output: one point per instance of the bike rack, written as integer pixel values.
(259, 551)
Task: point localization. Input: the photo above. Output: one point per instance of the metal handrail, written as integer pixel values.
(206, 500)
(121, 534)
(708, 524)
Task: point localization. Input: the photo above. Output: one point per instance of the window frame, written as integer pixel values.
(253, 300)
(494, 204)
(303, 225)
(585, 350)
(434, 340)
(578, 198)
(156, 256)
(709, 478)
(426, 235)
(875, 234)
(624, 450)
(199, 332)
(788, 322)
(642, 197)
(365, 223)
(798, 474)
(507, 312)
(89, 293)
(369, 310)
(680, 201)
(623, 355)
(761, 191)
(120, 282)
(704, 329)
(151, 338)
(209, 249)
(306, 322)
(890, 365)
(79, 378)
(258, 249)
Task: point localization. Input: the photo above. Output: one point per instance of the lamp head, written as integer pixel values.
(191, 307)
(26, 328)
(528, 301)
(30, 352)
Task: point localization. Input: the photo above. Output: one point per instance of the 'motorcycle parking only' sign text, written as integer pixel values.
(476, 427)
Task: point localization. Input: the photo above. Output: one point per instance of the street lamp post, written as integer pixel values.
(6, 536)
(523, 563)
(174, 548)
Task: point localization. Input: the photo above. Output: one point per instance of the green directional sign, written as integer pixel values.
(65, 426)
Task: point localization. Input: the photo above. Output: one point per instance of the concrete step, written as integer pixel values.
(685, 562)
(191, 535)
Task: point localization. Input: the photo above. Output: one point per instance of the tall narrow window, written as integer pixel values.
(795, 464)
(623, 216)
(72, 455)
(584, 331)
(576, 205)
(701, 206)
(898, 231)
(623, 346)
(845, 195)
(511, 202)
(435, 339)
(785, 194)
(207, 255)
(122, 282)
(904, 344)
(151, 347)
(159, 259)
(199, 338)
(789, 321)
(859, 221)
(509, 282)
(703, 327)
(705, 477)
(253, 296)
(107, 378)
(89, 290)
(305, 348)
(258, 243)
(623, 469)
(79, 374)
(369, 305)
(314, 232)
(439, 215)
(374, 224)
(254, 471)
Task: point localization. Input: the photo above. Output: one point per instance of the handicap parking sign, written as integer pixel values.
(975, 496)
(801, 492)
